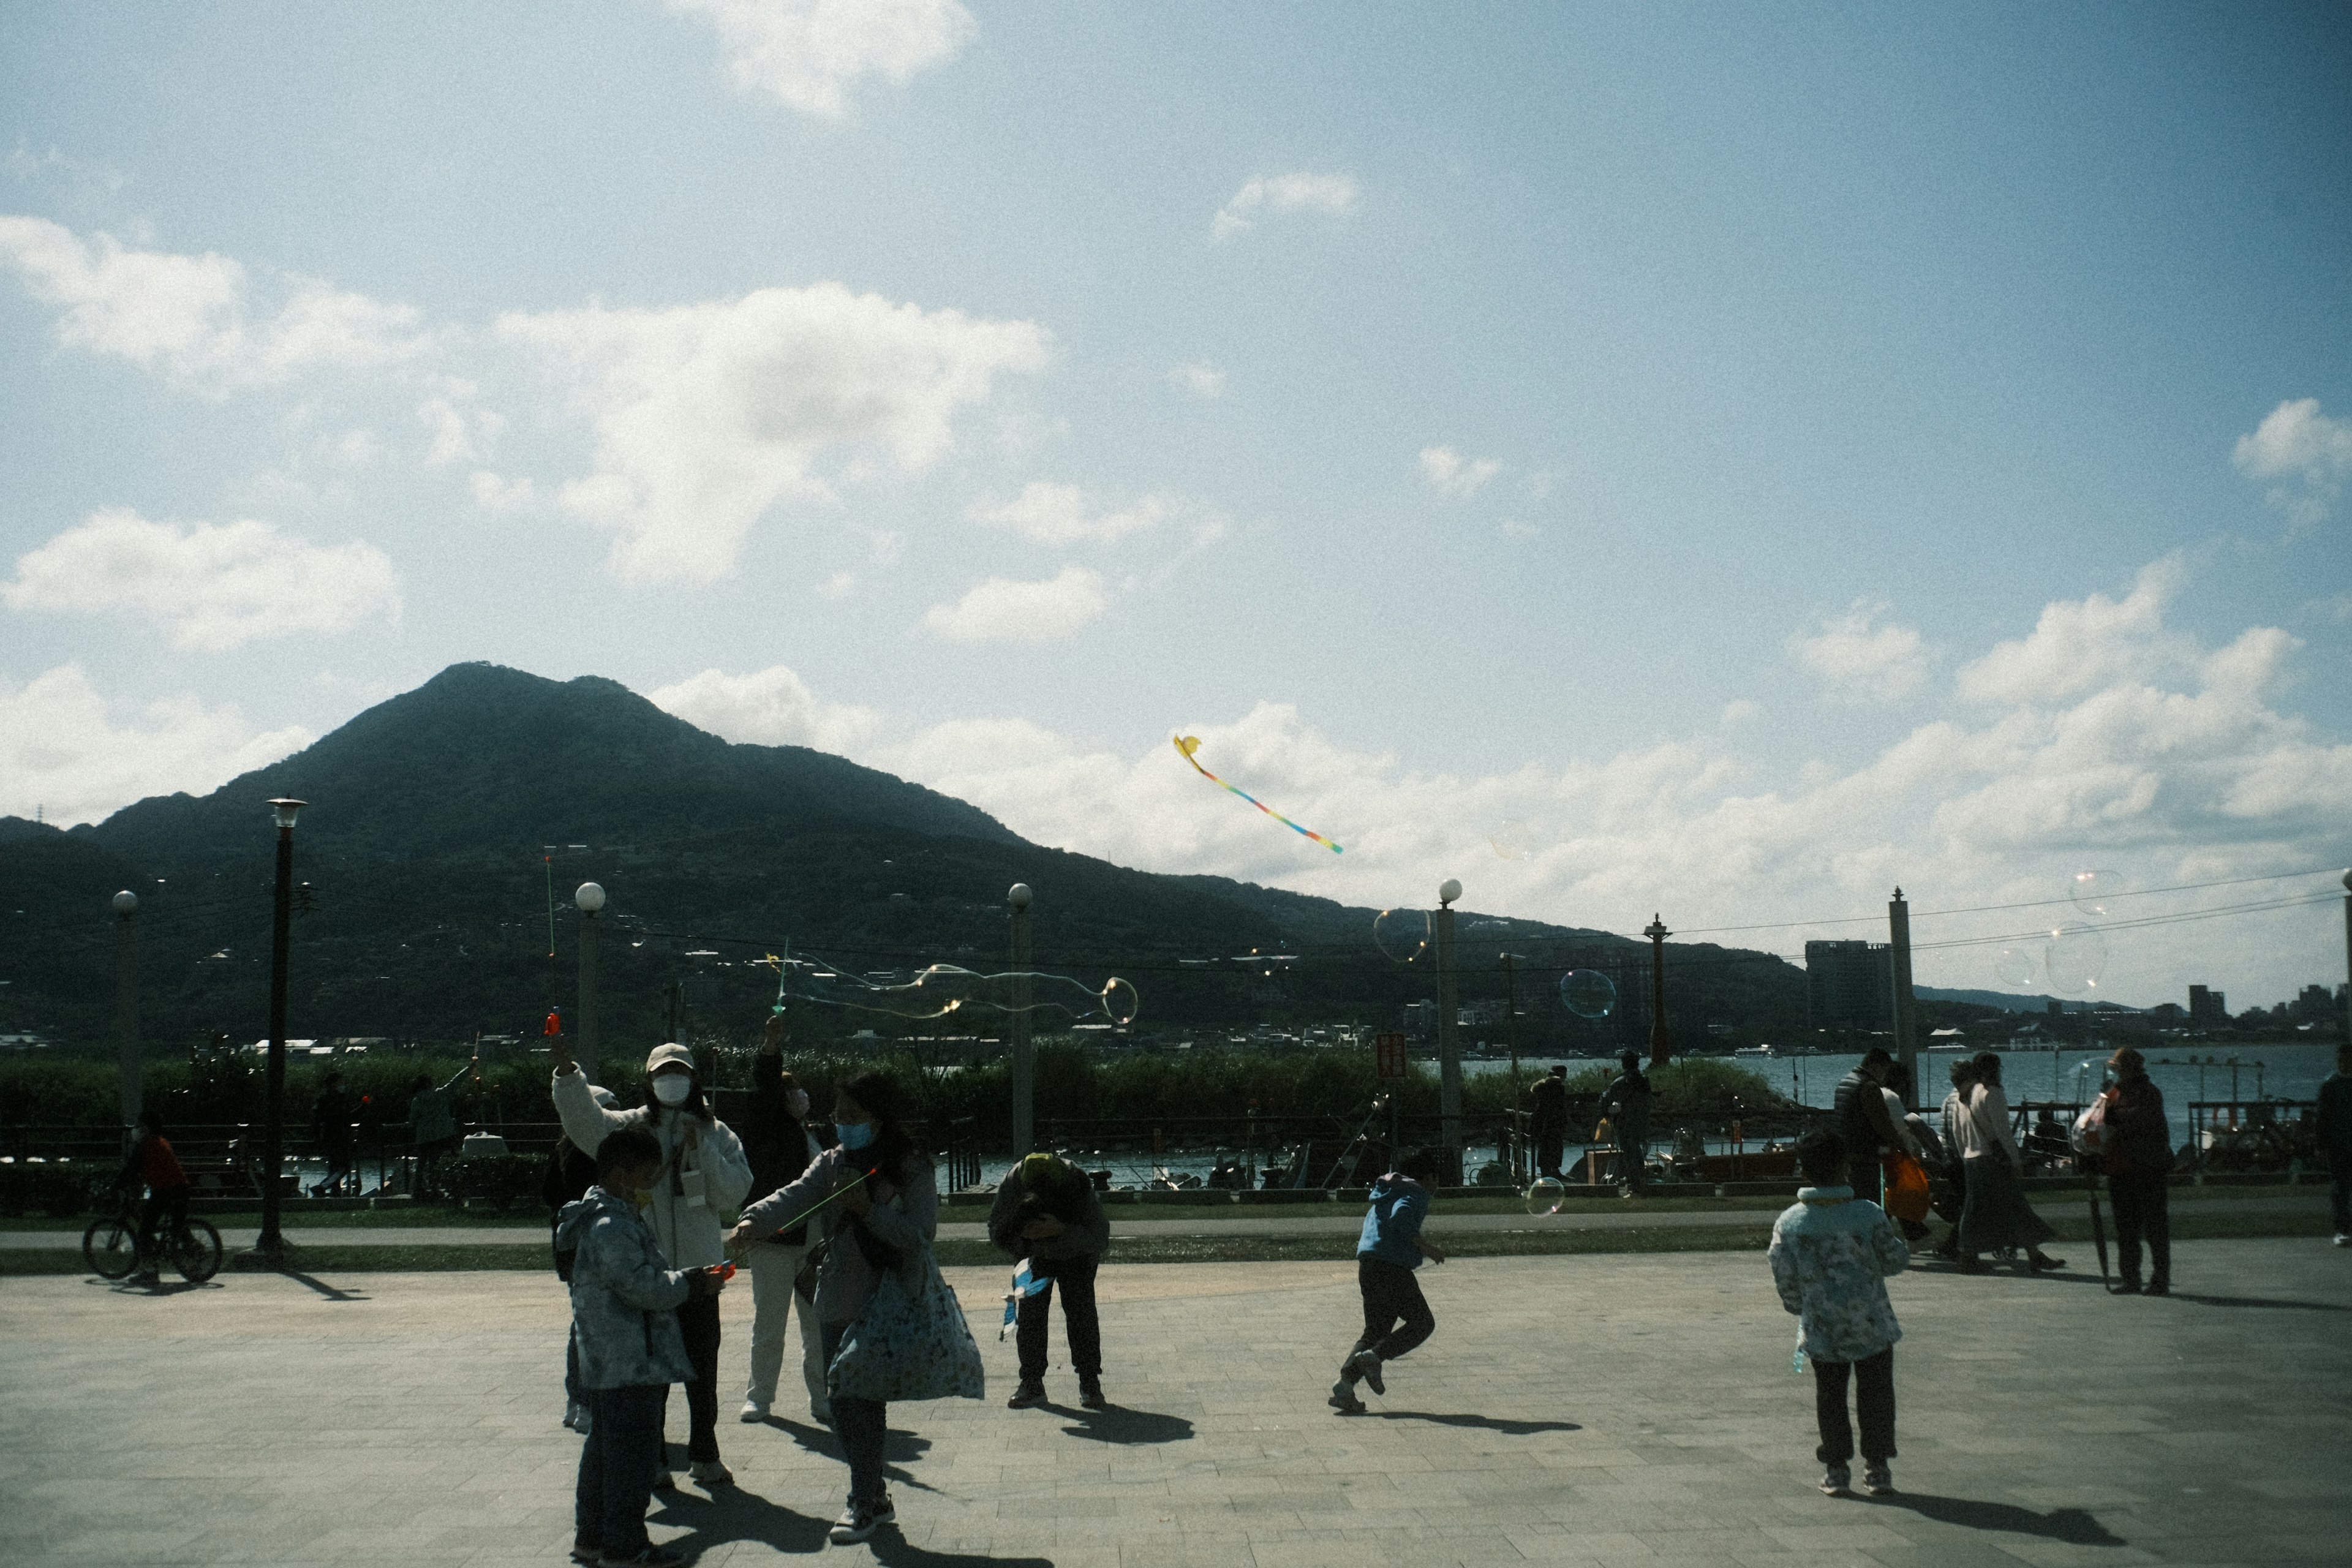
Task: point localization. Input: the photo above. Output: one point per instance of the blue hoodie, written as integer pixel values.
(1390, 1226)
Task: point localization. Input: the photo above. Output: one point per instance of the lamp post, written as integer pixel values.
(2347, 956)
(1449, 1044)
(1661, 1042)
(269, 1247)
(1511, 1031)
(1025, 1089)
(126, 1001)
(589, 898)
(1907, 1015)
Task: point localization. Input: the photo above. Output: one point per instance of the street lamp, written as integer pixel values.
(125, 905)
(1661, 1044)
(1449, 1044)
(589, 900)
(1024, 1088)
(269, 1247)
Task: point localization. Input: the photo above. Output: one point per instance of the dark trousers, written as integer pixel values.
(1547, 1142)
(574, 1391)
(339, 1165)
(1632, 1149)
(617, 1467)
(172, 1200)
(1863, 1172)
(2339, 1189)
(1396, 1316)
(698, 1321)
(1873, 1396)
(2143, 1209)
(862, 1426)
(1075, 1278)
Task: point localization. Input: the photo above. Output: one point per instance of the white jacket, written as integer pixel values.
(704, 1173)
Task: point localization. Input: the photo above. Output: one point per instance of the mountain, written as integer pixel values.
(439, 824)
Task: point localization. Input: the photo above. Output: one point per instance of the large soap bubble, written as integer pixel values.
(1545, 1196)
(945, 988)
(2093, 892)
(1402, 934)
(1588, 992)
(2016, 965)
(2076, 959)
(1511, 839)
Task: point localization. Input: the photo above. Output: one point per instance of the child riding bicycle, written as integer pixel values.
(151, 1162)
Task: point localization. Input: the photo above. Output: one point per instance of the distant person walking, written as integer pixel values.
(625, 1303)
(1956, 1138)
(2138, 1150)
(1548, 1119)
(1996, 1215)
(330, 1133)
(1396, 1315)
(2336, 1140)
(1831, 1253)
(1626, 1103)
(1860, 1117)
(880, 1208)
(433, 1125)
(702, 1173)
(1046, 1211)
(152, 1164)
(779, 1145)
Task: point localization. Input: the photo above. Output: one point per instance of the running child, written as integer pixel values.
(1830, 1254)
(1396, 1316)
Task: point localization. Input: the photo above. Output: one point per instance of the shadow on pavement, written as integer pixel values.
(331, 1292)
(2073, 1526)
(894, 1550)
(1483, 1423)
(2259, 1302)
(1115, 1424)
(157, 1287)
(731, 1513)
(900, 1447)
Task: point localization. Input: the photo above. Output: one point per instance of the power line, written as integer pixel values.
(2030, 904)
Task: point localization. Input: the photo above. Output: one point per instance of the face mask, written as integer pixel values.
(672, 1088)
(798, 1105)
(853, 1134)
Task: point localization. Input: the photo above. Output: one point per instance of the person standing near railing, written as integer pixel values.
(330, 1130)
(1626, 1103)
(433, 1125)
(2138, 1149)
(1548, 1119)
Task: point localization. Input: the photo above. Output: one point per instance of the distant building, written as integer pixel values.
(1850, 983)
(1420, 1019)
(2316, 1006)
(2206, 1006)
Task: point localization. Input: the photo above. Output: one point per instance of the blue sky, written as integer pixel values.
(1760, 457)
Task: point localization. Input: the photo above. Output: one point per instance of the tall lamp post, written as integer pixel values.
(269, 1247)
(1906, 1016)
(2347, 956)
(1661, 1042)
(1449, 1044)
(126, 1001)
(1024, 1089)
(1511, 1031)
(590, 897)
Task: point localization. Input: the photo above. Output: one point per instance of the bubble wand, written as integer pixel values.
(1188, 744)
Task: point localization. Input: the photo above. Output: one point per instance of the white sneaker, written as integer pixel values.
(857, 1523)
(571, 1414)
(1878, 1480)
(1835, 1479)
(2344, 1238)
(754, 1411)
(711, 1473)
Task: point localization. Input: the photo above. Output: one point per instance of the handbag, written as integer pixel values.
(909, 1344)
(1908, 1195)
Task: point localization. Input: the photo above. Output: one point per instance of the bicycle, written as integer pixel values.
(111, 1247)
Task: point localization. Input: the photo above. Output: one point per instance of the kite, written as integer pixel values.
(1188, 744)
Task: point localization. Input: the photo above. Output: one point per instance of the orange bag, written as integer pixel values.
(1906, 1188)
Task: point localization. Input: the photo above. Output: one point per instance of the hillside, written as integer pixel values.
(439, 819)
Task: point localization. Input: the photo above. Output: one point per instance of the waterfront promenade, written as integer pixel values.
(1613, 1409)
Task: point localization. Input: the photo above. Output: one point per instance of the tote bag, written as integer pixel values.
(1907, 1194)
(909, 1344)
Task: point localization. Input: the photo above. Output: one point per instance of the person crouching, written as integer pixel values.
(1046, 1211)
(1830, 1254)
(625, 1298)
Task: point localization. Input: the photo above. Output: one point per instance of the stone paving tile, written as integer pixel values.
(1576, 1411)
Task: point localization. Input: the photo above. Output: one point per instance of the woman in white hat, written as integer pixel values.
(703, 1171)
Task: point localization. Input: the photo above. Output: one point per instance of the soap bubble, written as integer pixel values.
(1588, 992)
(945, 988)
(1545, 1196)
(2016, 965)
(2077, 958)
(1402, 934)
(2093, 892)
(1511, 839)
(1120, 1002)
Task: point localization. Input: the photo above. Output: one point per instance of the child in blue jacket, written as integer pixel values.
(1831, 1253)
(1396, 1316)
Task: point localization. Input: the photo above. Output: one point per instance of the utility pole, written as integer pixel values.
(1024, 1089)
(126, 1002)
(1449, 1044)
(2347, 957)
(1906, 1018)
(269, 1247)
(1661, 1042)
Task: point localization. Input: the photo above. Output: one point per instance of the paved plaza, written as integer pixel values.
(1615, 1409)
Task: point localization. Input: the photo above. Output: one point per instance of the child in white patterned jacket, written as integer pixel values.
(1831, 1253)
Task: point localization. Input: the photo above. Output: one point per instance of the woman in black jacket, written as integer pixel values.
(2139, 1147)
(777, 1141)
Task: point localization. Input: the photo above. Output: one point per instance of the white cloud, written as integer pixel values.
(771, 707)
(1740, 710)
(840, 585)
(1450, 473)
(1512, 528)
(1004, 610)
(62, 751)
(889, 546)
(1861, 659)
(811, 53)
(2080, 644)
(2303, 456)
(706, 415)
(196, 318)
(213, 586)
(1199, 378)
(1282, 194)
(496, 493)
(1058, 515)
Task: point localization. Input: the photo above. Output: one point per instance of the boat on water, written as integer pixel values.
(1764, 1052)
